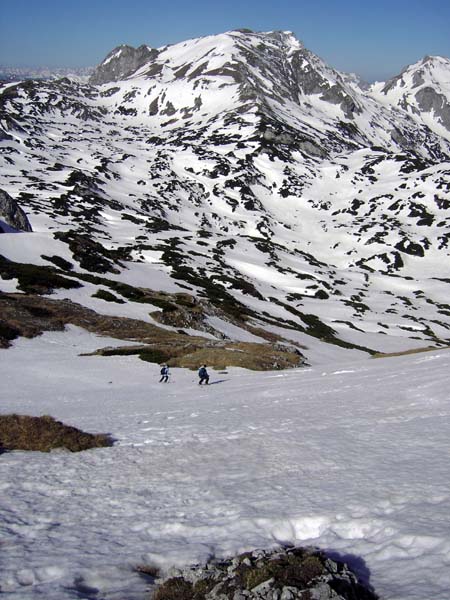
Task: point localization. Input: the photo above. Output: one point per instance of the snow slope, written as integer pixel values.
(350, 457)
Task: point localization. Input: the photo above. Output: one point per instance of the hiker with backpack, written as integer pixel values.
(203, 375)
(164, 374)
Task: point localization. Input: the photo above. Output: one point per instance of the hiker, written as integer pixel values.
(164, 374)
(203, 375)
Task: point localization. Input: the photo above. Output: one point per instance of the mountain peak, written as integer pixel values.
(429, 69)
(121, 62)
(436, 59)
(422, 90)
(259, 71)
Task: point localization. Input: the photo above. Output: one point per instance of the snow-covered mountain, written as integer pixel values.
(11, 74)
(243, 170)
(423, 91)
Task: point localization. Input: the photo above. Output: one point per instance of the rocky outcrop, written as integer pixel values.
(283, 574)
(12, 215)
(121, 62)
(429, 100)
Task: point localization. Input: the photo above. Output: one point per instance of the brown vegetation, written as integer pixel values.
(407, 352)
(29, 315)
(258, 357)
(176, 588)
(189, 353)
(21, 432)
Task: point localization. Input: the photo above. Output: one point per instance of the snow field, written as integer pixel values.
(350, 457)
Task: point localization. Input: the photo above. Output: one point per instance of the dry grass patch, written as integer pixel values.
(190, 353)
(176, 588)
(22, 432)
(257, 357)
(407, 352)
(30, 315)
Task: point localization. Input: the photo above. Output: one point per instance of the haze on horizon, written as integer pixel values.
(375, 40)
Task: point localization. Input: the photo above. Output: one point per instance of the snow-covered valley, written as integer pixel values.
(243, 165)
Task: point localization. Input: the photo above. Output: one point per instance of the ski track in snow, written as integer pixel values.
(352, 460)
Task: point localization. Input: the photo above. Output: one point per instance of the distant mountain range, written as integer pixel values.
(20, 73)
(291, 202)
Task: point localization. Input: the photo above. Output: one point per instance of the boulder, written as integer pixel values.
(12, 217)
(291, 573)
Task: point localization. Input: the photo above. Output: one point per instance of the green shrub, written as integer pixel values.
(129, 292)
(148, 354)
(154, 355)
(123, 351)
(90, 254)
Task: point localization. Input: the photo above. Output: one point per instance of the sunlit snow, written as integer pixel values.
(349, 457)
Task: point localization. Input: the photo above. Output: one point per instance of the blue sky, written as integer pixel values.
(375, 39)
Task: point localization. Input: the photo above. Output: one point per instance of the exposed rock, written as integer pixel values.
(121, 62)
(12, 214)
(431, 101)
(282, 574)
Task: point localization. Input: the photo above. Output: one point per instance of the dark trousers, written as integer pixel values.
(164, 378)
(203, 379)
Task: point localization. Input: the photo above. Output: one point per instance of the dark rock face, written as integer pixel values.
(121, 62)
(430, 100)
(283, 574)
(12, 214)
